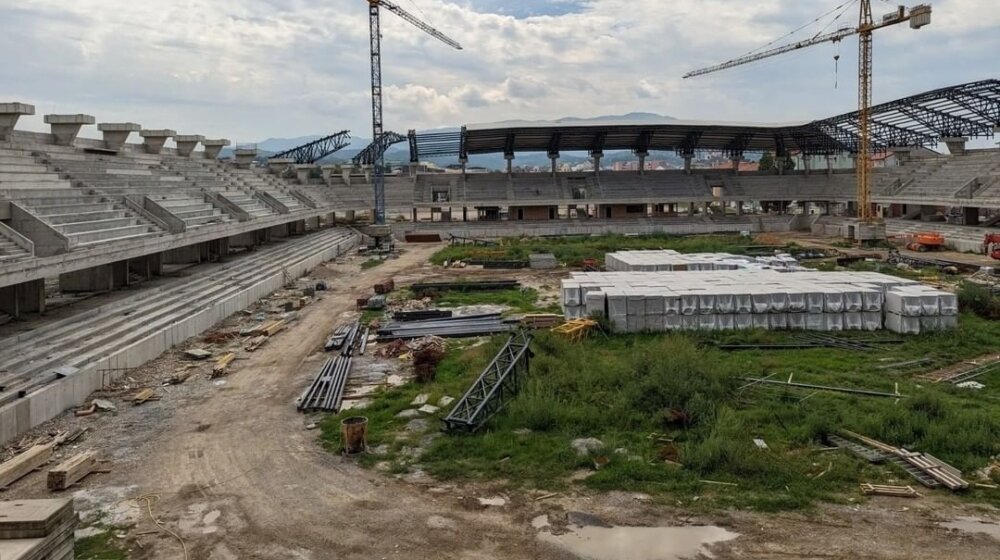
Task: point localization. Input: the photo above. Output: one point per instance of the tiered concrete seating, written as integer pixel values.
(961, 238)
(251, 205)
(489, 187)
(795, 187)
(10, 250)
(19, 170)
(194, 210)
(87, 220)
(118, 174)
(530, 187)
(943, 178)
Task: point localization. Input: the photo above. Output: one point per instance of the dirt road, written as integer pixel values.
(243, 461)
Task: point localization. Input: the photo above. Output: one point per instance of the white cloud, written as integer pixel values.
(252, 69)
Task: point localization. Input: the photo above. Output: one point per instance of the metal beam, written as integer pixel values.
(317, 149)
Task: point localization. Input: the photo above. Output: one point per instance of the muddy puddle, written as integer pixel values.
(973, 525)
(639, 543)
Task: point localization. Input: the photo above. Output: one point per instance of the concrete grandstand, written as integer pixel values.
(92, 215)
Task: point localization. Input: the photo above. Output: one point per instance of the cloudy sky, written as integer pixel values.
(251, 69)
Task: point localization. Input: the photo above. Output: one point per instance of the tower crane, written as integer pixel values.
(376, 58)
(918, 16)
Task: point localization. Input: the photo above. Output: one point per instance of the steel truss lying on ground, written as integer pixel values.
(317, 149)
(499, 382)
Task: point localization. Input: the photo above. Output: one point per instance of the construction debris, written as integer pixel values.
(221, 366)
(449, 327)
(144, 395)
(198, 354)
(815, 340)
(882, 490)
(430, 288)
(27, 461)
(789, 383)
(72, 470)
(326, 392)
(576, 329)
(542, 261)
(541, 320)
(383, 288)
(421, 315)
(926, 463)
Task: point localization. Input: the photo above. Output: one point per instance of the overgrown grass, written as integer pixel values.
(102, 546)
(658, 398)
(371, 263)
(572, 251)
(519, 299)
(979, 299)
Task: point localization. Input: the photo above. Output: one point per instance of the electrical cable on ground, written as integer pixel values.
(150, 499)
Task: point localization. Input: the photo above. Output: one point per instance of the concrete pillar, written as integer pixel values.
(303, 172)
(66, 127)
(553, 158)
(642, 161)
(970, 216)
(852, 208)
(23, 298)
(115, 134)
(182, 255)
(153, 140)
(327, 172)
(707, 208)
(736, 166)
(244, 156)
(690, 209)
(120, 274)
(597, 162)
(687, 164)
(510, 164)
(213, 147)
(247, 239)
(829, 165)
(903, 154)
(96, 279)
(806, 208)
(465, 214)
(779, 164)
(349, 216)
(186, 143)
(9, 113)
(280, 165)
(807, 163)
(739, 207)
(280, 231)
(414, 218)
(956, 145)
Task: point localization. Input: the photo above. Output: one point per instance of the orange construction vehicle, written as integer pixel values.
(991, 243)
(925, 241)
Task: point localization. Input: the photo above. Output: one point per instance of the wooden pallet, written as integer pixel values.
(883, 490)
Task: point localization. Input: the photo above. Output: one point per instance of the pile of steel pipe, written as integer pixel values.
(327, 389)
(451, 327)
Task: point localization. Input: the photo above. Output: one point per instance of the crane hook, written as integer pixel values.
(836, 71)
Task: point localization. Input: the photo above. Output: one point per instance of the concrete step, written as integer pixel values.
(29, 177)
(112, 234)
(21, 165)
(59, 219)
(197, 213)
(202, 220)
(97, 225)
(71, 209)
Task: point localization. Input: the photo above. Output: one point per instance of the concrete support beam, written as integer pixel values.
(807, 163)
(153, 140)
(96, 279)
(115, 134)
(9, 113)
(244, 156)
(280, 165)
(327, 171)
(554, 158)
(642, 161)
(21, 299)
(510, 163)
(213, 147)
(956, 145)
(829, 165)
(597, 162)
(182, 255)
(186, 143)
(279, 231)
(303, 172)
(736, 166)
(687, 164)
(66, 127)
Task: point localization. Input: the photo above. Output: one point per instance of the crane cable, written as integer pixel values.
(794, 31)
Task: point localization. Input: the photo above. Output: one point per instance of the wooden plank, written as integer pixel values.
(222, 365)
(143, 396)
(883, 490)
(25, 462)
(72, 470)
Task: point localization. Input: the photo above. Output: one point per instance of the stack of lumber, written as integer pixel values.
(37, 529)
(945, 474)
(72, 470)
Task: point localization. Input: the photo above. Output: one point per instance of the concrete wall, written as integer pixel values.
(54, 398)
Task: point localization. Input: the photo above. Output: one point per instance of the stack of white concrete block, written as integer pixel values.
(669, 260)
(919, 308)
(744, 299)
(37, 529)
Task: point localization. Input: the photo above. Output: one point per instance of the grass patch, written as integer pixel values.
(371, 263)
(519, 299)
(572, 251)
(652, 398)
(102, 546)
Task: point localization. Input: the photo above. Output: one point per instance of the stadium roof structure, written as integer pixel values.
(966, 110)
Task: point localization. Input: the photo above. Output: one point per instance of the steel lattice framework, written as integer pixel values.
(317, 149)
(498, 383)
(374, 151)
(966, 110)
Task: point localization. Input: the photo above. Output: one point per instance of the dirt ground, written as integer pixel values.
(232, 468)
